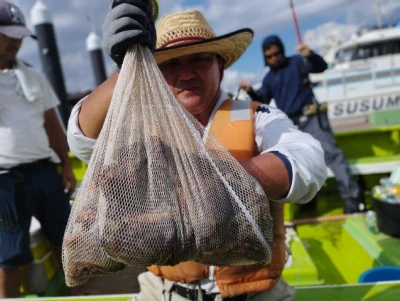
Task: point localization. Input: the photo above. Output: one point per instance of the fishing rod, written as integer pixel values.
(237, 93)
(296, 24)
(300, 41)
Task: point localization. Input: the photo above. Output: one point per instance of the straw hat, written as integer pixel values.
(188, 32)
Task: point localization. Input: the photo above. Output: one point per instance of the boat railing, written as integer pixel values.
(376, 72)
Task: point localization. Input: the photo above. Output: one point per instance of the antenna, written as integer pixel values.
(90, 20)
(378, 13)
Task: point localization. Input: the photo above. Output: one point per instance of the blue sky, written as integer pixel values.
(319, 21)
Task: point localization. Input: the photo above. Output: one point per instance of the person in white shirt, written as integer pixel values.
(32, 141)
(289, 164)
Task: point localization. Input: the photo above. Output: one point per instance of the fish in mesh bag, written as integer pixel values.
(85, 257)
(160, 189)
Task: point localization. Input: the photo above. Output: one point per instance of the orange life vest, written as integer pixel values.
(233, 126)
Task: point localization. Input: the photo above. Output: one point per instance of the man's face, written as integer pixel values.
(194, 80)
(273, 56)
(9, 48)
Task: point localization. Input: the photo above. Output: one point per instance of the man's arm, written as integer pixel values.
(276, 134)
(127, 23)
(58, 142)
(272, 174)
(254, 95)
(94, 108)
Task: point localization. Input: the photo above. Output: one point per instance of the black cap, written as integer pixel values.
(12, 21)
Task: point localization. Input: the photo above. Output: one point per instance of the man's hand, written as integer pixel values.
(128, 22)
(245, 85)
(303, 50)
(68, 179)
(58, 143)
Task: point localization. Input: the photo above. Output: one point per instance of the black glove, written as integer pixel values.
(128, 22)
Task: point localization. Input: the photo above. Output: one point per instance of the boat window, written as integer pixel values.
(345, 55)
(367, 51)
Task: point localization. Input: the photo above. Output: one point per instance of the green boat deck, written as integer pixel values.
(328, 257)
(337, 252)
(385, 291)
(327, 261)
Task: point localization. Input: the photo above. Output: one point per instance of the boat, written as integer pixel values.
(332, 255)
(363, 79)
(339, 253)
(361, 88)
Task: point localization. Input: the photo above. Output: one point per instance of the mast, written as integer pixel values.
(48, 50)
(94, 47)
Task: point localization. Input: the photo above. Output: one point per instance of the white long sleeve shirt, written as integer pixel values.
(274, 131)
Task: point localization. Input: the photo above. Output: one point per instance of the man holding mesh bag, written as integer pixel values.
(287, 163)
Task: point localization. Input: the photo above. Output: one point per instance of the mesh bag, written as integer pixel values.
(158, 190)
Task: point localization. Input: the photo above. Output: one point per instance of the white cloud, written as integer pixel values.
(325, 34)
(232, 78)
(29, 50)
(264, 17)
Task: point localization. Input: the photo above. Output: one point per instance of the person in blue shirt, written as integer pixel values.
(288, 83)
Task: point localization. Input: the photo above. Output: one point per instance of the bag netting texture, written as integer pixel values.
(159, 190)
